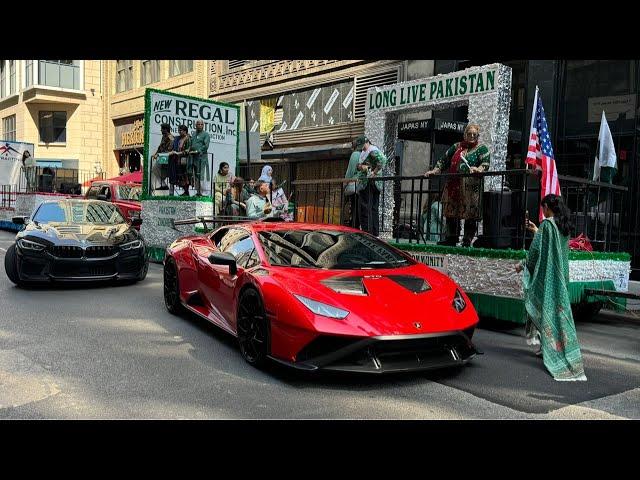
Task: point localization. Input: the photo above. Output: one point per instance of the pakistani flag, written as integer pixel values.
(606, 154)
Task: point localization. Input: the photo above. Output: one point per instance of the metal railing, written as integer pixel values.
(597, 208)
(57, 180)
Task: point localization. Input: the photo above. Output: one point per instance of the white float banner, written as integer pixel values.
(220, 122)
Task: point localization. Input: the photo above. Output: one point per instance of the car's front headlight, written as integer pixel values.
(132, 245)
(29, 245)
(458, 302)
(323, 309)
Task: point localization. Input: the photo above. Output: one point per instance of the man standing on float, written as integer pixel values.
(198, 161)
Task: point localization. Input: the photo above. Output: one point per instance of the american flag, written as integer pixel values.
(540, 152)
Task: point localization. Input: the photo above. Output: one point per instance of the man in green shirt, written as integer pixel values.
(350, 189)
(198, 160)
(372, 161)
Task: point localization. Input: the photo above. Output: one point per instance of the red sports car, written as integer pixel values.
(320, 297)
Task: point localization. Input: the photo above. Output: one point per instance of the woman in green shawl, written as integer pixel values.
(546, 294)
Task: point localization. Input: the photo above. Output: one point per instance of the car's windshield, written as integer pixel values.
(328, 249)
(100, 213)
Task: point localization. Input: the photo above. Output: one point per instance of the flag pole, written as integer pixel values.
(533, 118)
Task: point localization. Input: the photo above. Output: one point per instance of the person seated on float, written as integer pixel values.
(235, 203)
(258, 205)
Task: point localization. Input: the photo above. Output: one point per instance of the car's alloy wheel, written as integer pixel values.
(171, 287)
(253, 331)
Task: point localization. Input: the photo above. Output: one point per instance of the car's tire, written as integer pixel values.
(254, 336)
(11, 265)
(145, 270)
(171, 287)
(584, 312)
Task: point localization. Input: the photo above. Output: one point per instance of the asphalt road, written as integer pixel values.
(116, 353)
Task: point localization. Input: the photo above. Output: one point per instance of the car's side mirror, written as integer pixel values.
(19, 220)
(102, 196)
(224, 258)
(136, 221)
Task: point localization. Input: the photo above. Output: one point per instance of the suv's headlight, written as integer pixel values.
(458, 302)
(322, 308)
(132, 245)
(29, 245)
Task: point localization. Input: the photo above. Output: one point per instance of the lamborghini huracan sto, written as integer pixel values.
(320, 297)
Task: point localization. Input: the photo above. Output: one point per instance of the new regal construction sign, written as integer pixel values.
(457, 84)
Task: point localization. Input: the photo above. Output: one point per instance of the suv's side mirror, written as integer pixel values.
(220, 258)
(19, 220)
(136, 221)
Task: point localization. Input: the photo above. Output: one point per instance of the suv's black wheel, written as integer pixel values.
(253, 328)
(171, 287)
(11, 265)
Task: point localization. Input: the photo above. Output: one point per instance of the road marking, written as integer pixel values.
(4, 250)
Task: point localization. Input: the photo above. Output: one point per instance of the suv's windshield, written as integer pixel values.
(100, 213)
(328, 249)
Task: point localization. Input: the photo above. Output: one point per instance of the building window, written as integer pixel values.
(3, 77)
(150, 71)
(9, 128)
(53, 127)
(124, 75)
(12, 77)
(178, 67)
(59, 73)
(28, 72)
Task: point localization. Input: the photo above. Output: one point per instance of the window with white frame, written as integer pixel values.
(150, 71)
(9, 128)
(28, 72)
(178, 67)
(124, 75)
(52, 126)
(3, 78)
(12, 77)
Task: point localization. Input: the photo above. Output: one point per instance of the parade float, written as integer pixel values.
(161, 212)
(487, 274)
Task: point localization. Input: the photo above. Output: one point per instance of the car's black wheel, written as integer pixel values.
(171, 287)
(11, 265)
(143, 275)
(584, 312)
(253, 328)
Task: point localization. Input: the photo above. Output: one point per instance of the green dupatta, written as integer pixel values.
(546, 296)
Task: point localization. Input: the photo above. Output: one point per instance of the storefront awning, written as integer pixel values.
(49, 163)
(57, 163)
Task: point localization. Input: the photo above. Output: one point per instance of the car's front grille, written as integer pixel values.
(66, 251)
(83, 270)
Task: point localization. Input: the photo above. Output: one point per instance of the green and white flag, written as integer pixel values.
(606, 152)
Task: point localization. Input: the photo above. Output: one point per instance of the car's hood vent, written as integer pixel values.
(411, 283)
(348, 285)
